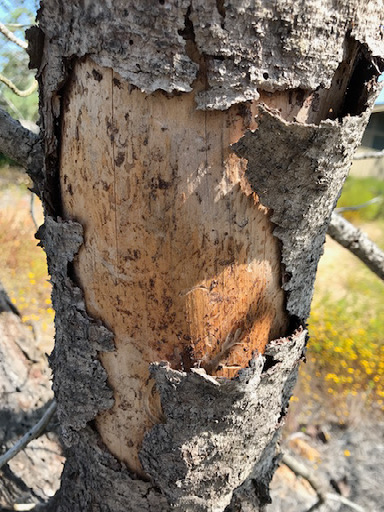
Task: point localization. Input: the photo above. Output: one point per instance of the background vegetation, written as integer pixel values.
(17, 16)
(344, 373)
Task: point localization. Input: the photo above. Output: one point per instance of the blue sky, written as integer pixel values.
(7, 6)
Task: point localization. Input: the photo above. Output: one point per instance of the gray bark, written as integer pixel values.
(216, 449)
(316, 160)
(22, 146)
(76, 347)
(248, 46)
(225, 428)
(16, 141)
(358, 243)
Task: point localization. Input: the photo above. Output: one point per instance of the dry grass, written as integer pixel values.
(344, 373)
(23, 269)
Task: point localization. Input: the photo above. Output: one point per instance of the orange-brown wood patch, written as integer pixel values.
(179, 260)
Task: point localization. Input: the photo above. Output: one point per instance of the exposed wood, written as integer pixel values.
(215, 451)
(178, 258)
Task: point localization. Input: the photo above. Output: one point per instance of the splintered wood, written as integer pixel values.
(179, 260)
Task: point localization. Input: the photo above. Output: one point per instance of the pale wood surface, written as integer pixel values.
(179, 259)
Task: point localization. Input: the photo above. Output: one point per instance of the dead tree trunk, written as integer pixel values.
(194, 152)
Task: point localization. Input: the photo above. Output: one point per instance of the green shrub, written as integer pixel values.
(360, 190)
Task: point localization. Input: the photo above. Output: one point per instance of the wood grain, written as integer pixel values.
(179, 260)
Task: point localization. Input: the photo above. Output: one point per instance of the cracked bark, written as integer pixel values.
(194, 152)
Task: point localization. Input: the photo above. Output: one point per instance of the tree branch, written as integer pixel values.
(358, 243)
(12, 86)
(369, 154)
(10, 105)
(345, 501)
(16, 142)
(301, 470)
(18, 25)
(377, 199)
(11, 36)
(35, 432)
(22, 146)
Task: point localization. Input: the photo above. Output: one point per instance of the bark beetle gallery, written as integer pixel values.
(194, 152)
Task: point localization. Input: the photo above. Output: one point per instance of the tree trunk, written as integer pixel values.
(194, 152)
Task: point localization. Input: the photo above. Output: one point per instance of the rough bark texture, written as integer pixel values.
(22, 146)
(78, 337)
(314, 66)
(247, 46)
(315, 160)
(195, 465)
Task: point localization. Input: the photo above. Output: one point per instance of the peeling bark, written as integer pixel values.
(260, 106)
(78, 337)
(256, 46)
(209, 465)
(226, 428)
(300, 179)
